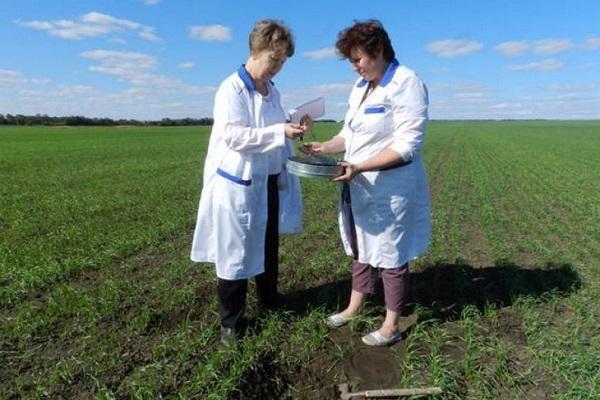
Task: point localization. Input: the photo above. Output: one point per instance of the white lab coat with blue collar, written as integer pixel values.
(390, 207)
(232, 214)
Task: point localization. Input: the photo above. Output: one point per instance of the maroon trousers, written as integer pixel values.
(395, 283)
(395, 280)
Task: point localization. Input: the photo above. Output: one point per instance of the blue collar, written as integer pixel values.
(387, 75)
(245, 76)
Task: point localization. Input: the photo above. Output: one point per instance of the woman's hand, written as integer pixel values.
(294, 131)
(350, 171)
(334, 145)
(312, 148)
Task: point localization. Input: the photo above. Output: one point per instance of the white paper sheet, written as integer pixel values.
(315, 108)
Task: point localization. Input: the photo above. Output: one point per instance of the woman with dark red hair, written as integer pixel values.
(384, 202)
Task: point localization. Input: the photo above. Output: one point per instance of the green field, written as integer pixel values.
(99, 299)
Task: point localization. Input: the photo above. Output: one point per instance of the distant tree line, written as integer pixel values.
(77, 120)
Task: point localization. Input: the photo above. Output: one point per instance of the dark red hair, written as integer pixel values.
(369, 36)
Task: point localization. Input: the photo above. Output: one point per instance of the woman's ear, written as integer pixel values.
(254, 54)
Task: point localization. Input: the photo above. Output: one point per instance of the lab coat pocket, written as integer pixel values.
(373, 118)
(233, 178)
(375, 110)
(233, 192)
(236, 167)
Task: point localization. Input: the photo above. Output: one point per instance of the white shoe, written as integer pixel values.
(336, 320)
(377, 339)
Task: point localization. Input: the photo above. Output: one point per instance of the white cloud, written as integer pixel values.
(97, 18)
(469, 95)
(153, 80)
(148, 34)
(513, 49)
(457, 87)
(132, 67)
(592, 43)
(122, 59)
(92, 24)
(75, 90)
(328, 52)
(150, 2)
(572, 88)
(186, 65)
(29, 92)
(545, 65)
(552, 46)
(140, 102)
(39, 25)
(501, 105)
(210, 33)
(8, 77)
(453, 47)
(332, 88)
(546, 46)
(518, 107)
(137, 68)
(198, 90)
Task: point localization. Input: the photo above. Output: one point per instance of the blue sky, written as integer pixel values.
(150, 59)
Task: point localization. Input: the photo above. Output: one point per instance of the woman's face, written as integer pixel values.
(268, 63)
(369, 68)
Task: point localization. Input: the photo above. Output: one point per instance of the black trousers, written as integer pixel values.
(232, 294)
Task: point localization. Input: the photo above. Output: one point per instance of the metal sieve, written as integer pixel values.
(314, 167)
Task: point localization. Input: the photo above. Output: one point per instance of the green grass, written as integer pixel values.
(99, 299)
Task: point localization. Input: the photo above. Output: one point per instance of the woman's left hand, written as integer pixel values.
(350, 171)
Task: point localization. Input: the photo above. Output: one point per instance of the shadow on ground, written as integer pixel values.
(445, 289)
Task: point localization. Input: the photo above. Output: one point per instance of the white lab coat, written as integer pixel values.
(390, 207)
(232, 214)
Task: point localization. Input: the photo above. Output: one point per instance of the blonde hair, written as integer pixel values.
(271, 34)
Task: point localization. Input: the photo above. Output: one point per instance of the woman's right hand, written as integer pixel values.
(312, 148)
(294, 131)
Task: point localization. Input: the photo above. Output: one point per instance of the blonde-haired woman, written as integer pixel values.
(248, 198)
